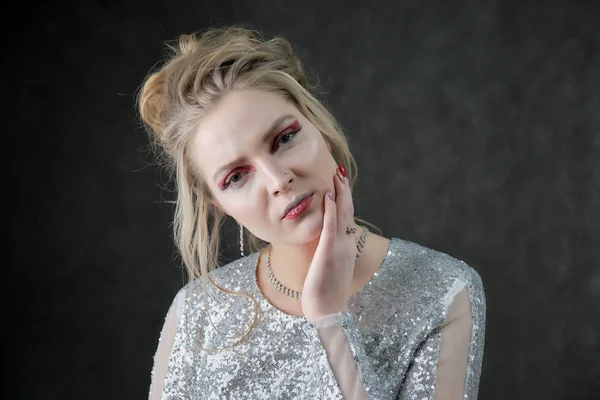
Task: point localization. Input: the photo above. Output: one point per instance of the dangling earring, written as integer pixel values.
(242, 240)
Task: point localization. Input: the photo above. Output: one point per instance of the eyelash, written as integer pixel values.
(290, 131)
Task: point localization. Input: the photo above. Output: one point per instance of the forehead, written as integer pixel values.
(241, 112)
(236, 123)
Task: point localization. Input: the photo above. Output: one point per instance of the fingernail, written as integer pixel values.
(339, 175)
(342, 169)
(330, 194)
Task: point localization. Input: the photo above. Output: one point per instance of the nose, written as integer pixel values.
(277, 179)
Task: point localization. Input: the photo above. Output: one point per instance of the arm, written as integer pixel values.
(343, 367)
(339, 355)
(447, 364)
(163, 351)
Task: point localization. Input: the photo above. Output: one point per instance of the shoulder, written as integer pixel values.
(426, 263)
(431, 275)
(234, 275)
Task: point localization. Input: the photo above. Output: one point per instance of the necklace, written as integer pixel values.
(294, 293)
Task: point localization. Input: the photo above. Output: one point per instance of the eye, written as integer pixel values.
(284, 140)
(286, 137)
(234, 179)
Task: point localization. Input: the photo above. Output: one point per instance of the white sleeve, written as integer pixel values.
(454, 350)
(163, 351)
(447, 364)
(340, 357)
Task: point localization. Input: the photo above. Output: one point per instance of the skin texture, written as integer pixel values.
(311, 253)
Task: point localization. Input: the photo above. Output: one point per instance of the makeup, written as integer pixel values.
(296, 211)
(229, 179)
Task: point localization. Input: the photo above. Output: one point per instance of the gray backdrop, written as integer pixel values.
(475, 124)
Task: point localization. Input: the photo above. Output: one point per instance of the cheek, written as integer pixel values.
(247, 208)
(313, 154)
(238, 208)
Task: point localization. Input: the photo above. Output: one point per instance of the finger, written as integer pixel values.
(330, 228)
(344, 203)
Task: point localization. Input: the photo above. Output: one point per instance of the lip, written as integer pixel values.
(304, 200)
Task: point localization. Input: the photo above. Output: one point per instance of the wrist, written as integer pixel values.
(325, 313)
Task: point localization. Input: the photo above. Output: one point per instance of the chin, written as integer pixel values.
(302, 231)
(311, 227)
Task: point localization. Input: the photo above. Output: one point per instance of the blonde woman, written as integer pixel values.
(318, 306)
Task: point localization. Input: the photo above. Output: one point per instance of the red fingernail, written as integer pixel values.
(343, 170)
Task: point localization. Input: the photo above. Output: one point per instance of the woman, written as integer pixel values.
(322, 307)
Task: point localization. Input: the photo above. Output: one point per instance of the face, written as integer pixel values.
(259, 155)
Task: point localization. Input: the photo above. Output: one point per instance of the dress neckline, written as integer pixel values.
(271, 308)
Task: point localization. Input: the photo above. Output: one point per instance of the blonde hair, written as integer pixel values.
(199, 71)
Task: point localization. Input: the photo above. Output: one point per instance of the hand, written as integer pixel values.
(327, 285)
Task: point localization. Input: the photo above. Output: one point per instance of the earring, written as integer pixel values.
(242, 240)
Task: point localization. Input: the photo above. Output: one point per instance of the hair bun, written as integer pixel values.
(152, 107)
(188, 44)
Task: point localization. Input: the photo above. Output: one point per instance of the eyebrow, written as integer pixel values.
(279, 121)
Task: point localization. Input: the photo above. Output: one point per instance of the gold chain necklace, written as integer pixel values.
(298, 295)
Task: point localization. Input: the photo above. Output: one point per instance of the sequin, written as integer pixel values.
(392, 326)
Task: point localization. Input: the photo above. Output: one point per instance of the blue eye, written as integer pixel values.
(234, 179)
(286, 138)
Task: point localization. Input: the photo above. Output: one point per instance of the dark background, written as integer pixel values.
(475, 124)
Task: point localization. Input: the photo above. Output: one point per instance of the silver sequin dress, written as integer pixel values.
(415, 331)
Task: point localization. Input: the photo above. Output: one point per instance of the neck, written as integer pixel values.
(290, 263)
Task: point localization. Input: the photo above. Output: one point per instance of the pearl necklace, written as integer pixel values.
(298, 295)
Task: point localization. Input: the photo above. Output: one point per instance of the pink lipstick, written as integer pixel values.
(297, 210)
